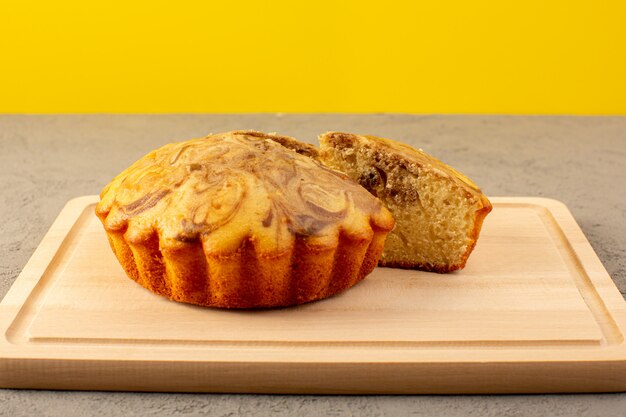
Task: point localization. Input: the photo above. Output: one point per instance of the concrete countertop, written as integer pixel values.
(47, 160)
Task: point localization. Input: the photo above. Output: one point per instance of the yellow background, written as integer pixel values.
(537, 57)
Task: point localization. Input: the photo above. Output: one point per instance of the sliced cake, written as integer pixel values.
(438, 211)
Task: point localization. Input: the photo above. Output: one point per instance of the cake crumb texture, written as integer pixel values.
(438, 211)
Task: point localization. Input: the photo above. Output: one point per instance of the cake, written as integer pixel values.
(242, 219)
(438, 211)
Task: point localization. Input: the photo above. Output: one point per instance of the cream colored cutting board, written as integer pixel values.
(533, 311)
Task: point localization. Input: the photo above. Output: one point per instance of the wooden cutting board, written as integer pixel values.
(533, 311)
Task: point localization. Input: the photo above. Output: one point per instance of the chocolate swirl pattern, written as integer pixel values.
(241, 219)
(213, 182)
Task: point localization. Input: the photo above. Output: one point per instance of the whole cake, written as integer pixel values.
(240, 220)
(438, 211)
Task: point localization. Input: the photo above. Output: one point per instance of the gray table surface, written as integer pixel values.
(47, 160)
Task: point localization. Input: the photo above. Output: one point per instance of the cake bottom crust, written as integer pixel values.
(440, 269)
(244, 279)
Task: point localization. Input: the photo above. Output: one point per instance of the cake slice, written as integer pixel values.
(438, 211)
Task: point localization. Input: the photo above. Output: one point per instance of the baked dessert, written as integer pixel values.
(242, 219)
(438, 211)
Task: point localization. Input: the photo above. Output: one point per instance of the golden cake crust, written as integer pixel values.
(414, 161)
(241, 219)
